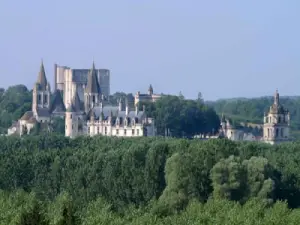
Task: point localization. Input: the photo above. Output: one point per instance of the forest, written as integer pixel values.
(50, 179)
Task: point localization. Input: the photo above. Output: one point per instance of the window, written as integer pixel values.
(117, 131)
(279, 119)
(89, 130)
(45, 99)
(39, 99)
(105, 130)
(94, 98)
(281, 132)
(71, 116)
(125, 122)
(132, 132)
(72, 126)
(125, 132)
(137, 132)
(277, 133)
(98, 130)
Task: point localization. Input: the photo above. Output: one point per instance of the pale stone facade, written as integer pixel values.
(74, 81)
(149, 97)
(228, 131)
(276, 123)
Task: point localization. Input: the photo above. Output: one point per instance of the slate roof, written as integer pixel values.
(92, 82)
(58, 104)
(114, 111)
(43, 112)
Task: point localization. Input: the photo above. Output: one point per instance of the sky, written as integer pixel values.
(222, 49)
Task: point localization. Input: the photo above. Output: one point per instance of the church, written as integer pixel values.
(92, 116)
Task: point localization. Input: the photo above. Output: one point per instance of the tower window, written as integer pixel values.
(45, 99)
(39, 99)
(94, 98)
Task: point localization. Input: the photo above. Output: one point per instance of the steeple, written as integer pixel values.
(92, 82)
(150, 90)
(42, 80)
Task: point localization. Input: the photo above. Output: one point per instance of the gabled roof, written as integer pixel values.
(92, 82)
(58, 103)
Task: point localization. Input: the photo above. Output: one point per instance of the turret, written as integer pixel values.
(150, 90)
(92, 94)
(41, 91)
(71, 122)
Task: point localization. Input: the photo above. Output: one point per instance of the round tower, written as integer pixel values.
(71, 122)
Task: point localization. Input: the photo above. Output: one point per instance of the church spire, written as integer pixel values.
(92, 83)
(42, 80)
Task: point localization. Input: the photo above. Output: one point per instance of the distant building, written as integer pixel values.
(230, 132)
(42, 106)
(72, 81)
(149, 97)
(276, 127)
(87, 115)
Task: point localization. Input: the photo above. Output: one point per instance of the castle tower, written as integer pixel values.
(150, 90)
(71, 122)
(92, 95)
(276, 123)
(41, 91)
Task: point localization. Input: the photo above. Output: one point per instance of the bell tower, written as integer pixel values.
(41, 91)
(276, 127)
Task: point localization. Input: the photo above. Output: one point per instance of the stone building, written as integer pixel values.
(74, 81)
(99, 119)
(231, 132)
(88, 115)
(276, 127)
(149, 97)
(44, 106)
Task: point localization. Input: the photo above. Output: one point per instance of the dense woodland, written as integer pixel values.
(101, 180)
(52, 180)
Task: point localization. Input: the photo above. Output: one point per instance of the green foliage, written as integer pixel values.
(183, 118)
(14, 102)
(105, 180)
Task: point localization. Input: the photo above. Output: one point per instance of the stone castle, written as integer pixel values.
(276, 126)
(78, 97)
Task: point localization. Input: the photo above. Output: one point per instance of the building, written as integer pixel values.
(72, 81)
(149, 97)
(88, 115)
(231, 132)
(44, 106)
(106, 120)
(276, 127)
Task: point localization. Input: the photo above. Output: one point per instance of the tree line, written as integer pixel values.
(51, 179)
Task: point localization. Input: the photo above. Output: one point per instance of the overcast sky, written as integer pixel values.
(222, 48)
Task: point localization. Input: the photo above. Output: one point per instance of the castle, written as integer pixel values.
(276, 126)
(84, 107)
